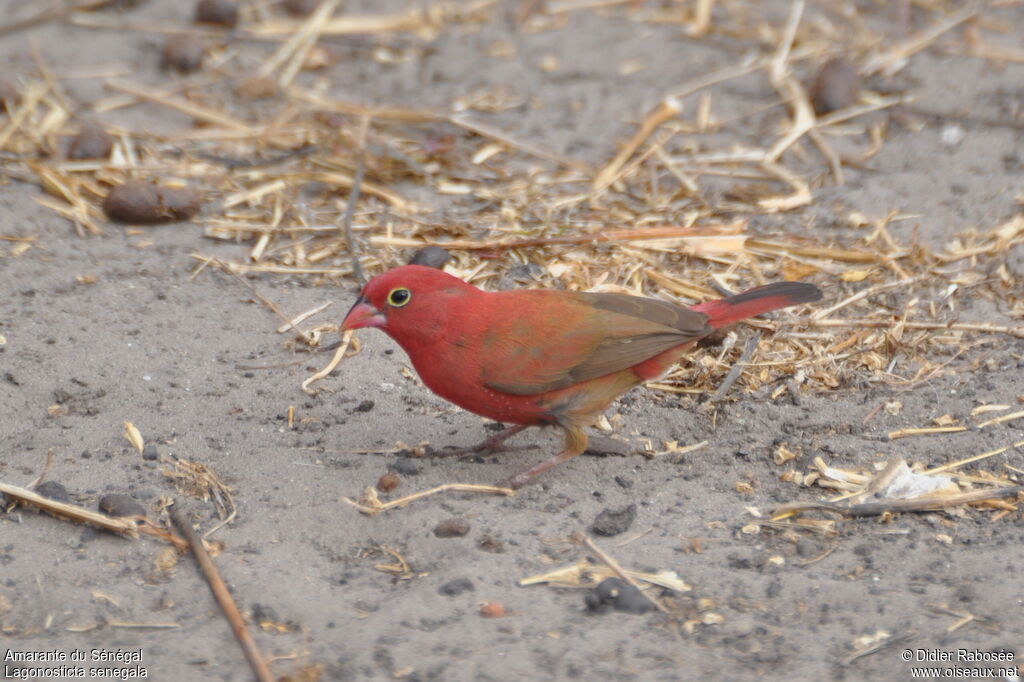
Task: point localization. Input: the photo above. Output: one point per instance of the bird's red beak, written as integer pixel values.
(362, 315)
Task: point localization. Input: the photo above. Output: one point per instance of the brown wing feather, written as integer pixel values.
(654, 310)
(583, 344)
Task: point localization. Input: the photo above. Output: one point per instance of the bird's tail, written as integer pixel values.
(757, 301)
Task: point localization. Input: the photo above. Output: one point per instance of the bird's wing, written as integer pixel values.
(544, 340)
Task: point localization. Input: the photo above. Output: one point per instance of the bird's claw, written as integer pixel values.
(484, 448)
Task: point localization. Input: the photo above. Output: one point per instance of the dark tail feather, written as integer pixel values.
(757, 301)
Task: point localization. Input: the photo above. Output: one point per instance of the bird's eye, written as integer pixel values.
(399, 297)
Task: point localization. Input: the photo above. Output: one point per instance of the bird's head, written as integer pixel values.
(404, 302)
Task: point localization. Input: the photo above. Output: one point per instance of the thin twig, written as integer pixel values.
(353, 199)
(304, 36)
(879, 646)
(124, 527)
(973, 458)
(736, 369)
(346, 339)
(986, 328)
(197, 111)
(460, 120)
(931, 430)
(266, 301)
(834, 162)
(891, 60)
(375, 506)
(863, 293)
(622, 235)
(414, 19)
(52, 14)
(1001, 419)
(667, 109)
(223, 597)
(485, 130)
(778, 63)
(46, 468)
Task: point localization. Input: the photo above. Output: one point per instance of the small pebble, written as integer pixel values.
(116, 504)
(321, 57)
(9, 97)
(952, 135)
(456, 587)
(91, 142)
(492, 610)
(614, 521)
(612, 593)
(143, 203)
(523, 274)
(430, 256)
(632, 600)
(150, 453)
(257, 87)
(388, 482)
(489, 543)
(365, 406)
(608, 589)
(601, 598)
(301, 8)
(222, 12)
(405, 467)
(183, 53)
(452, 528)
(52, 491)
(836, 86)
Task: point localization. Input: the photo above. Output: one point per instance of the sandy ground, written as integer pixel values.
(175, 356)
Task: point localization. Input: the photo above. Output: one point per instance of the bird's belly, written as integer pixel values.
(501, 407)
(578, 404)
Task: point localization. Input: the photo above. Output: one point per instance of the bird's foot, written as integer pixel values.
(480, 449)
(495, 443)
(575, 443)
(524, 477)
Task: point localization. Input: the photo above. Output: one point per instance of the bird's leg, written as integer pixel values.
(575, 443)
(494, 443)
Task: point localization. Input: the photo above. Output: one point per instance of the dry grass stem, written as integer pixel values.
(893, 59)
(585, 574)
(71, 512)
(346, 339)
(371, 504)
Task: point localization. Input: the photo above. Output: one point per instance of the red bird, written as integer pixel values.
(543, 357)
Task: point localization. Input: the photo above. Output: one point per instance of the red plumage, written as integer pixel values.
(534, 357)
